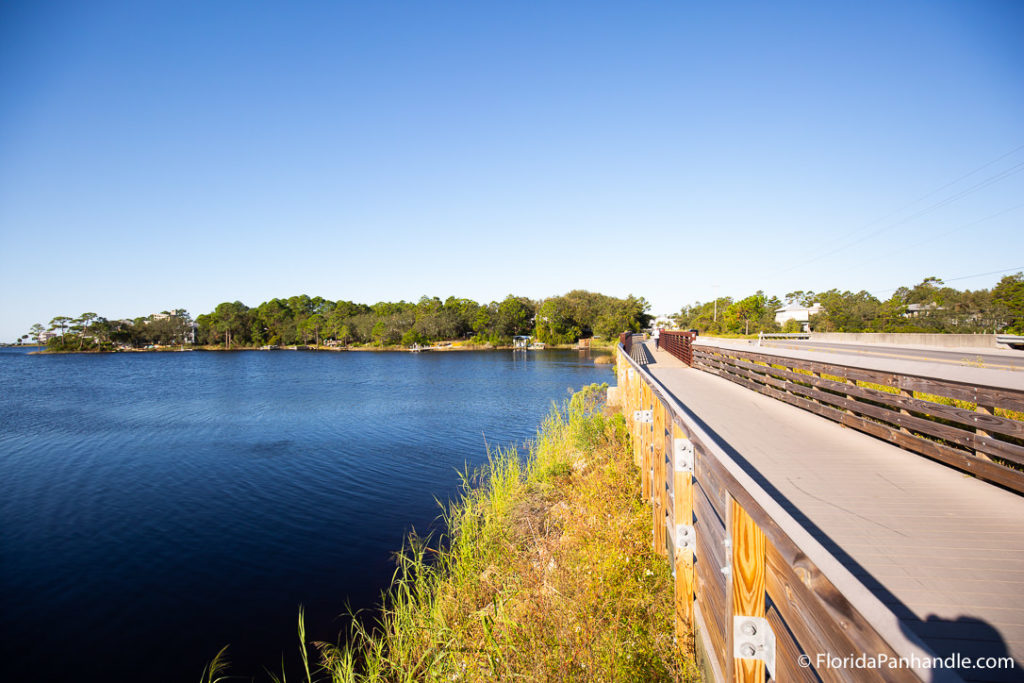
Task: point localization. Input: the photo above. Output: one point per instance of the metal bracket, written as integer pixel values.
(643, 415)
(686, 537)
(683, 455)
(727, 544)
(753, 638)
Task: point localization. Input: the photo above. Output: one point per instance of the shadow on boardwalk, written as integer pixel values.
(964, 643)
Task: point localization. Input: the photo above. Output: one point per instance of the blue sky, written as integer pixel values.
(166, 154)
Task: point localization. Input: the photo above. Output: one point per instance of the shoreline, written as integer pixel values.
(373, 349)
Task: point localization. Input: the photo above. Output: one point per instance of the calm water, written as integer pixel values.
(155, 507)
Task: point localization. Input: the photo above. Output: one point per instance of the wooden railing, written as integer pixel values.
(742, 563)
(956, 424)
(626, 339)
(678, 344)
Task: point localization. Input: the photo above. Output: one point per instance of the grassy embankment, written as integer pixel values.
(547, 574)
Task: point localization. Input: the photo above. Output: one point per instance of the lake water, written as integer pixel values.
(156, 507)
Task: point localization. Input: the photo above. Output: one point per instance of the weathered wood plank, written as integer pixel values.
(847, 372)
(989, 471)
(812, 628)
(903, 402)
(710, 593)
(966, 438)
(711, 486)
(985, 395)
(830, 604)
(787, 651)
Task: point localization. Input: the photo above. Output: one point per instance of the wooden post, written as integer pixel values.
(658, 479)
(746, 588)
(682, 514)
(904, 411)
(645, 484)
(664, 441)
(984, 410)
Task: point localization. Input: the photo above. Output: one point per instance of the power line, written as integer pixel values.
(935, 191)
(955, 279)
(948, 200)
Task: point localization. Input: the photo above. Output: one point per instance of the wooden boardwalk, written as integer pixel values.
(943, 550)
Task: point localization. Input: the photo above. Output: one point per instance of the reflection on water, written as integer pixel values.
(158, 506)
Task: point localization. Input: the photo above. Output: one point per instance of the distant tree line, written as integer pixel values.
(929, 306)
(90, 331)
(314, 320)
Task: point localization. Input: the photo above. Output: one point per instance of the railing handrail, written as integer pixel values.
(952, 375)
(791, 538)
(679, 344)
(967, 439)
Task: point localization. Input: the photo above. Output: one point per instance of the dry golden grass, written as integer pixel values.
(548, 574)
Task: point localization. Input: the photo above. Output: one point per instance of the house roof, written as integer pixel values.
(798, 307)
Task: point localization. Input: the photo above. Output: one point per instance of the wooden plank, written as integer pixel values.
(901, 404)
(711, 486)
(710, 594)
(962, 437)
(903, 401)
(886, 378)
(830, 606)
(989, 471)
(709, 528)
(999, 397)
(747, 593)
(787, 651)
(813, 629)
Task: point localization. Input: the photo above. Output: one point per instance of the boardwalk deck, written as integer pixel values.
(943, 550)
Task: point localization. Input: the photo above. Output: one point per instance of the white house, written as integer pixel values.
(663, 322)
(916, 310)
(799, 313)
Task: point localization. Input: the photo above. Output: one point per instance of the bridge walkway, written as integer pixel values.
(943, 550)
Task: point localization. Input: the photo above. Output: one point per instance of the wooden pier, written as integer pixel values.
(885, 542)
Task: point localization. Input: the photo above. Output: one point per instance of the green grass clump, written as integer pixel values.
(547, 573)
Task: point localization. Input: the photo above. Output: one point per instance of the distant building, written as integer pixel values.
(915, 310)
(799, 313)
(663, 322)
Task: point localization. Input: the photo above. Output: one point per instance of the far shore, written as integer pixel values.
(444, 347)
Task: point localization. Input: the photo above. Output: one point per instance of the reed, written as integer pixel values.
(546, 573)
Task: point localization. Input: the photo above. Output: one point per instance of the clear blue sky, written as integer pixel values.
(167, 154)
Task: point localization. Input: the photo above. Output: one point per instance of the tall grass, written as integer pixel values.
(546, 573)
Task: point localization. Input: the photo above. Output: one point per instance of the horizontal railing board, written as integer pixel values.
(999, 388)
(990, 423)
(989, 471)
(790, 596)
(710, 591)
(949, 433)
(788, 651)
(836, 410)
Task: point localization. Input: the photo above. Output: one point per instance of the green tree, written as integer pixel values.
(1008, 298)
(60, 322)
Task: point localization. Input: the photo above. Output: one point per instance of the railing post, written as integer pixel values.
(658, 479)
(683, 458)
(745, 590)
(904, 411)
(984, 410)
